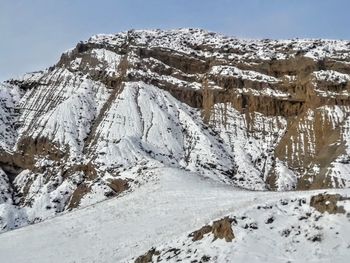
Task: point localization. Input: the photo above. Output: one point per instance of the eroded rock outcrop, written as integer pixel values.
(258, 114)
(147, 257)
(221, 229)
(328, 203)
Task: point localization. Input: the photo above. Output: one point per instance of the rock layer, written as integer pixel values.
(256, 114)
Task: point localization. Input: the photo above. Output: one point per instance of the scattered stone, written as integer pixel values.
(285, 233)
(302, 201)
(270, 220)
(284, 202)
(316, 238)
(175, 252)
(205, 258)
(251, 226)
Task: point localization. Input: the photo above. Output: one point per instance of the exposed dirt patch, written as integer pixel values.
(88, 170)
(118, 185)
(147, 257)
(328, 203)
(77, 195)
(199, 234)
(220, 229)
(30, 148)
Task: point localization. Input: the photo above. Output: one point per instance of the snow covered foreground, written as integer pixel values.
(164, 211)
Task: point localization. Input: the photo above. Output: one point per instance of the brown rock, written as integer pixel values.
(327, 203)
(199, 234)
(77, 195)
(220, 229)
(118, 185)
(147, 257)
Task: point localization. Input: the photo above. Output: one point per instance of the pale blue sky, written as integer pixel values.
(33, 33)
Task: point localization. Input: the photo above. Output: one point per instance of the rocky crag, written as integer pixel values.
(256, 114)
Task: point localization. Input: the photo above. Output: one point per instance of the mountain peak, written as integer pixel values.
(253, 114)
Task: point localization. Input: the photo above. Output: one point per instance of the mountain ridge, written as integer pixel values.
(255, 114)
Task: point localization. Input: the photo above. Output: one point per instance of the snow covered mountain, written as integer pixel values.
(182, 217)
(117, 112)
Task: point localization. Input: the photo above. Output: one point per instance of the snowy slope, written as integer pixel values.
(171, 207)
(285, 230)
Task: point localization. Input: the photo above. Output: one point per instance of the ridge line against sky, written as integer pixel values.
(35, 33)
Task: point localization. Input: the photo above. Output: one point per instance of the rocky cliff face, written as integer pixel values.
(257, 114)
